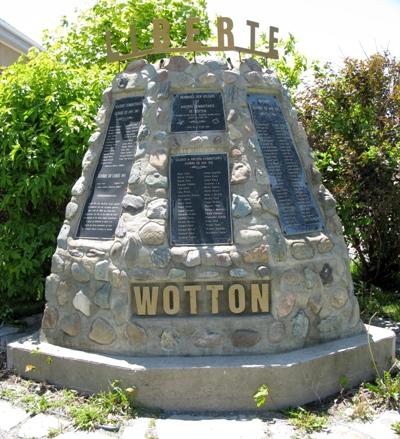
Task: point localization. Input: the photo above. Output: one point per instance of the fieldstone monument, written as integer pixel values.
(200, 231)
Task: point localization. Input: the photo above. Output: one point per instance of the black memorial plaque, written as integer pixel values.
(103, 207)
(298, 211)
(197, 112)
(200, 200)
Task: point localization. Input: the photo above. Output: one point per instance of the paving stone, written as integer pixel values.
(11, 415)
(184, 427)
(40, 425)
(138, 429)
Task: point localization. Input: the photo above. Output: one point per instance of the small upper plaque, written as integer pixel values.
(197, 112)
(298, 211)
(103, 207)
(200, 201)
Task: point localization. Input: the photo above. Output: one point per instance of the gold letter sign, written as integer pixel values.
(225, 38)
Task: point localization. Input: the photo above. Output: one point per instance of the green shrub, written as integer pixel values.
(352, 118)
(47, 113)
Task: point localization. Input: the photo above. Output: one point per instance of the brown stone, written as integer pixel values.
(245, 338)
(50, 318)
(339, 297)
(63, 293)
(258, 254)
(176, 64)
(101, 332)
(276, 332)
(235, 153)
(135, 334)
(135, 66)
(325, 245)
(71, 324)
(285, 305)
(152, 233)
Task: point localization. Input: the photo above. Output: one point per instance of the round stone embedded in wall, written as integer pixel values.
(135, 334)
(301, 250)
(132, 250)
(52, 283)
(152, 234)
(285, 305)
(276, 332)
(57, 264)
(339, 297)
(50, 318)
(245, 338)
(63, 293)
(207, 339)
(71, 324)
(157, 209)
(161, 257)
(79, 272)
(156, 180)
(192, 258)
(264, 272)
(83, 304)
(325, 245)
(300, 325)
(240, 206)
(169, 340)
(101, 332)
(240, 173)
(258, 254)
(132, 203)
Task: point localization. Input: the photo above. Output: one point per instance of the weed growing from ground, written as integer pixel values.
(306, 420)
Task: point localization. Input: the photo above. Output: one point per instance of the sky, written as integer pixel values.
(325, 30)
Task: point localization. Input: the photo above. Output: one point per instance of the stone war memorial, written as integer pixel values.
(201, 256)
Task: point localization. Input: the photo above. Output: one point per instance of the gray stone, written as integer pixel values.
(152, 233)
(169, 340)
(254, 78)
(79, 187)
(143, 133)
(135, 66)
(101, 270)
(207, 339)
(62, 238)
(164, 90)
(240, 206)
(101, 332)
(285, 305)
(83, 304)
(268, 204)
(176, 64)
(238, 272)
(71, 210)
(192, 258)
(232, 115)
(301, 250)
(339, 297)
(131, 250)
(94, 253)
(223, 260)
(79, 272)
(300, 325)
(71, 324)
(245, 338)
(248, 236)
(102, 296)
(76, 252)
(326, 274)
(230, 77)
(135, 334)
(52, 283)
(40, 426)
(207, 78)
(325, 245)
(158, 209)
(327, 199)
(161, 257)
(57, 264)
(11, 416)
(50, 317)
(264, 272)
(156, 180)
(176, 273)
(276, 332)
(63, 293)
(132, 203)
(115, 252)
(134, 176)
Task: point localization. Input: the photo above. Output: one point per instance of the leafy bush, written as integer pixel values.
(352, 118)
(48, 102)
(83, 41)
(46, 116)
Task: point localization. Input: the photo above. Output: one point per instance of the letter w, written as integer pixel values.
(146, 303)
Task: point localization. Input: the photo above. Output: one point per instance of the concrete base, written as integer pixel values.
(212, 383)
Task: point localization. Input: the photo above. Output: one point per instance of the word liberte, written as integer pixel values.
(226, 41)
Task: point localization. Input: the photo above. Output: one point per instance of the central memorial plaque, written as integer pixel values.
(103, 207)
(200, 200)
(197, 112)
(298, 211)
